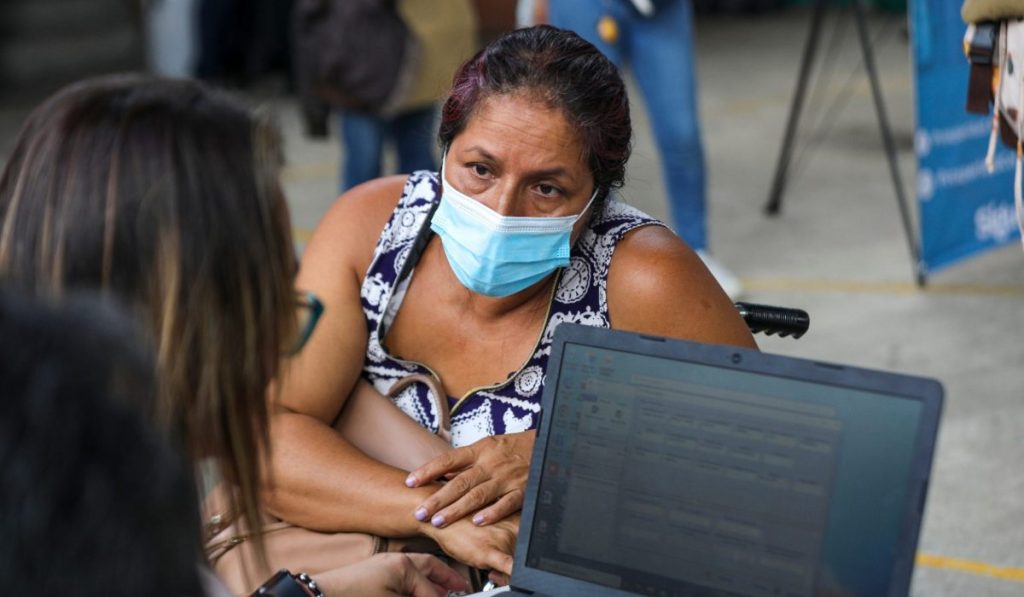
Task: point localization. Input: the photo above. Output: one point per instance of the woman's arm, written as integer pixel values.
(406, 446)
(314, 470)
(323, 483)
(316, 478)
(395, 574)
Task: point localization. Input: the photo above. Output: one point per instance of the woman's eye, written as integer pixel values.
(547, 190)
(480, 170)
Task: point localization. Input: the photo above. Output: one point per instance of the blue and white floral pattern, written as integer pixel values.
(513, 406)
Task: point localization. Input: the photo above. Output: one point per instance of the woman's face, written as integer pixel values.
(521, 157)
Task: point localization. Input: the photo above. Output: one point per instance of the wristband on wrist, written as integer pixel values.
(286, 584)
(309, 583)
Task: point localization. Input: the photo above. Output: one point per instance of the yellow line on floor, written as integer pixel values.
(970, 567)
(878, 287)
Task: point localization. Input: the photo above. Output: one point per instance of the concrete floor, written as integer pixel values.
(837, 251)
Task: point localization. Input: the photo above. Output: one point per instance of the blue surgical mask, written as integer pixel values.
(498, 255)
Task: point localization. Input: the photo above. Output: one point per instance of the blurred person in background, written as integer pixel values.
(165, 197)
(655, 38)
(381, 66)
(228, 42)
(240, 40)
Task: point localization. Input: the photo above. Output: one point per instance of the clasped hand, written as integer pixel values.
(487, 478)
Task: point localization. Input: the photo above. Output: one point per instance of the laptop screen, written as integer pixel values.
(664, 477)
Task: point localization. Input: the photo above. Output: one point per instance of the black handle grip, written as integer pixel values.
(771, 320)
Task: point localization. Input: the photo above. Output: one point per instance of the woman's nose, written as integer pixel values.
(507, 203)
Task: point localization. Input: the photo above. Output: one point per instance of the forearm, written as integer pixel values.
(320, 481)
(406, 445)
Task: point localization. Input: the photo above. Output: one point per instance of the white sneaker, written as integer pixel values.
(726, 279)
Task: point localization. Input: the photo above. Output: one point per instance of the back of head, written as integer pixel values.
(93, 500)
(164, 195)
(561, 69)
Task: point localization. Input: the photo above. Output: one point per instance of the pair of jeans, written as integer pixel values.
(363, 137)
(659, 51)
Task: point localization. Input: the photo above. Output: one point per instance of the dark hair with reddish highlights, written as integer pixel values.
(562, 69)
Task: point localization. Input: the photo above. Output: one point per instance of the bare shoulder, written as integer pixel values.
(347, 234)
(318, 380)
(658, 285)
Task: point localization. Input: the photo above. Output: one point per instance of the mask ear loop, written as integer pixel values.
(444, 167)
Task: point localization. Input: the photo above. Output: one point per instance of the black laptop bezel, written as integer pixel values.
(928, 392)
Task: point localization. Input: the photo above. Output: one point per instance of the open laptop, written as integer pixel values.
(665, 467)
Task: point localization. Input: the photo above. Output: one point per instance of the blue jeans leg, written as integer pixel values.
(414, 133)
(661, 55)
(362, 138)
(582, 16)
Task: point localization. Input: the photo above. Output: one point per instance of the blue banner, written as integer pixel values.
(963, 208)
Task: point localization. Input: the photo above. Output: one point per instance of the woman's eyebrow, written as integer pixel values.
(555, 172)
(483, 153)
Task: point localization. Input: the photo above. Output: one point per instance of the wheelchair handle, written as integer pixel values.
(771, 320)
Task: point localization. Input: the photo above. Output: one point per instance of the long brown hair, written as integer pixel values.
(164, 195)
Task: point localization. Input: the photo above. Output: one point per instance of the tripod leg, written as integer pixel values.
(786, 153)
(887, 140)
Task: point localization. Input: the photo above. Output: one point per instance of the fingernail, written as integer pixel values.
(410, 481)
(437, 520)
(421, 514)
(478, 519)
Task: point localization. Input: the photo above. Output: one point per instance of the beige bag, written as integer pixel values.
(977, 11)
(229, 546)
(231, 554)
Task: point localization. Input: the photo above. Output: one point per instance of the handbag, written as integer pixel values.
(231, 552)
(446, 32)
(976, 11)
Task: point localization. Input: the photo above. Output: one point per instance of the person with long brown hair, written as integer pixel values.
(165, 196)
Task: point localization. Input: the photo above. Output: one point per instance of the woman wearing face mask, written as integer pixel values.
(462, 276)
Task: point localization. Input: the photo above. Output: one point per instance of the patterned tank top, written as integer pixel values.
(580, 296)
